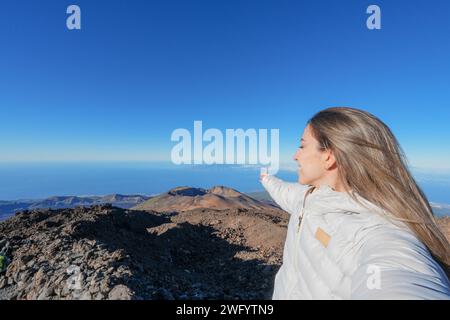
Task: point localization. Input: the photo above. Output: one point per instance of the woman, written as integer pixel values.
(360, 227)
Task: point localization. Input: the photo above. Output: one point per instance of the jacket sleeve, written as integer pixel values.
(288, 195)
(397, 266)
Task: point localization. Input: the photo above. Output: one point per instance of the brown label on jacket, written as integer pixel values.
(323, 237)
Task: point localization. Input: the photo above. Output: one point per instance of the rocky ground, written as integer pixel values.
(104, 252)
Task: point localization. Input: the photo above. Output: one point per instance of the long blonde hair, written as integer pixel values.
(371, 163)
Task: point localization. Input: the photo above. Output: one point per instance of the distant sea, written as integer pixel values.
(41, 180)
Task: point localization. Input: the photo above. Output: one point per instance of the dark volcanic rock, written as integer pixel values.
(104, 252)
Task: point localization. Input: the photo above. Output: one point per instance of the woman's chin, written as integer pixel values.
(302, 180)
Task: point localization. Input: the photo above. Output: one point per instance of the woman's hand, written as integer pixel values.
(263, 174)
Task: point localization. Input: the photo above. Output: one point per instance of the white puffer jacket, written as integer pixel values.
(341, 250)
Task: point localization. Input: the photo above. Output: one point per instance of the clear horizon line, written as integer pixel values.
(284, 166)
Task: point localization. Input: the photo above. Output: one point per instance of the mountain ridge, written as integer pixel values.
(9, 208)
(218, 197)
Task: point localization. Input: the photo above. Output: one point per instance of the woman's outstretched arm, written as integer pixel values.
(288, 195)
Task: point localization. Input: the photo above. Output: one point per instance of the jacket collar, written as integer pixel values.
(325, 199)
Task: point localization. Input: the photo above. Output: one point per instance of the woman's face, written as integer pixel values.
(311, 160)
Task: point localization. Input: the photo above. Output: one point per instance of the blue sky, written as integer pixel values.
(137, 70)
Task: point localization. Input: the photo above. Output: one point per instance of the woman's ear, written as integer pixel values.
(330, 160)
